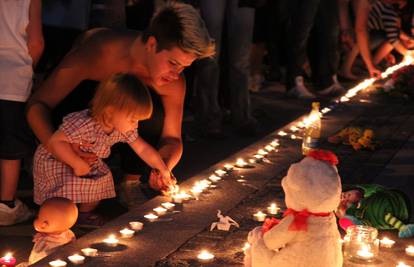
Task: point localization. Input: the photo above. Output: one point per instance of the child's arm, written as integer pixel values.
(148, 154)
(35, 41)
(61, 149)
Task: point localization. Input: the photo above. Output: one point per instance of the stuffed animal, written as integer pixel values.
(356, 137)
(56, 216)
(308, 235)
(376, 206)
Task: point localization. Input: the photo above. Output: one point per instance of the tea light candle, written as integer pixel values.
(136, 226)
(111, 241)
(214, 178)
(196, 191)
(259, 216)
(246, 246)
(410, 251)
(275, 143)
(365, 254)
(151, 217)
(273, 209)
(90, 252)
(160, 210)
(220, 172)
(294, 137)
(168, 205)
(76, 259)
(269, 148)
(386, 242)
(127, 233)
(8, 260)
(241, 163)
(205, 256)
(402, 264)
(282, 133)
(228, 167)
(262, 152)
(258, 157)
(57, 263)
(294, 128)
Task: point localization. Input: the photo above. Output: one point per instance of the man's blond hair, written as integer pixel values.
(180, 25)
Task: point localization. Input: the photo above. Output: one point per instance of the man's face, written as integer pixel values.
(165, 66)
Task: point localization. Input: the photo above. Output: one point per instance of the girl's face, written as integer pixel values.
(124, 122)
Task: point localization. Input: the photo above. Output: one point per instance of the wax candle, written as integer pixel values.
(160, 211)
(151, 217)
(402, 264)
(228, 167)
(214, 178)
(282, 133)
(8, 260)
(275, 143)
(127, 233)
(111, 241)
(410, 251)
(364, 253)
(168, 205)
(273, 209)
(90, 252)
(136, 226)
(386, 242)
(259, 216)
(262, 152)
(241, 163)
(246, 246)
(269, 148)
(220, 172)
(76, 259)
(57, 263)
(205, 256)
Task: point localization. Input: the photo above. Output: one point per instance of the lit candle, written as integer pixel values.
(220, 172)
(262, 152)
(196, 191)
(386, 242)
(246, 246)
(273, 209)
(294, 128)
(90, 252)
(282, 133)
(269, 148)
(136, 226)
(168, 205)
(259, 216)
(214, 178)
(127, 233)
(365, 254)
(241, 163)
(57, 263)
(275, 143)
(258, 157)
(160, 211)
(205, 256)
(228, 167)
(76, 259)
(410, 251)
(402, 264)
(111, 241)
(8, 260)
(151, 217)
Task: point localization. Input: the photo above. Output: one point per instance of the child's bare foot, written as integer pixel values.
(347, 75)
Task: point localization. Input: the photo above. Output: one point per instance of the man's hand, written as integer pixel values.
(86, 156)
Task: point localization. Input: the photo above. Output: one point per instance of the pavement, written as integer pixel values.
(177, 238)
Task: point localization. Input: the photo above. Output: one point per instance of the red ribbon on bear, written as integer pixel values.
(300, 221)
(324, 155)
(269, 223)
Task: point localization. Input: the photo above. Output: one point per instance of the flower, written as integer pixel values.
(269, 223)
(324, 155)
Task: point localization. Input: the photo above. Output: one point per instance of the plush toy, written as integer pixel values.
(308, 235)
(356, 137)
(56, 216)
(376, 206)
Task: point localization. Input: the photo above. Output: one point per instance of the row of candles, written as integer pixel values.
(199, 187)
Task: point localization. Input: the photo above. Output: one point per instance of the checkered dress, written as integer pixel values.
(53, 178)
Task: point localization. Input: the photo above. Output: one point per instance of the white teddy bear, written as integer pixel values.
(308, 235)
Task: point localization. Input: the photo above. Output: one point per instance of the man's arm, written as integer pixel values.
(67, 75)
(35, 41)
(171, 146)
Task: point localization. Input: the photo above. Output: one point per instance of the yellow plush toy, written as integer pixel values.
(354, 136)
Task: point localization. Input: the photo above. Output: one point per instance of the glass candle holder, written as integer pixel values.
(361, 243)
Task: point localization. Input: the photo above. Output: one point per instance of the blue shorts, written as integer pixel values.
(16, 138)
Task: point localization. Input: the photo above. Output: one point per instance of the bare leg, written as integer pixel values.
(346, 67)
(88, 207)
(382, 52)
(9, 171)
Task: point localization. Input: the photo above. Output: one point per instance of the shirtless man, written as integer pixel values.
(175, 38)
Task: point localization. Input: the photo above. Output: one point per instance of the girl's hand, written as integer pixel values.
(86, 156)
(161, 181)
(82, 168)
(374, 72)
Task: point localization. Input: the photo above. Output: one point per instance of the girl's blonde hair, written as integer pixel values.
(124, 92)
